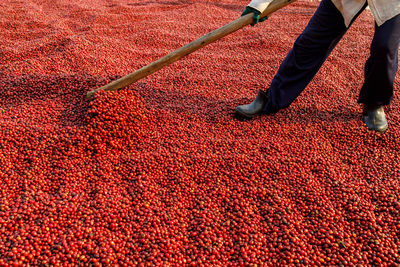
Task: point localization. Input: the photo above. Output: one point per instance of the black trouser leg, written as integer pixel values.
(381, 66)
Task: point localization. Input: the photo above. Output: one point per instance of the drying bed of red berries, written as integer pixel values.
(161, 172)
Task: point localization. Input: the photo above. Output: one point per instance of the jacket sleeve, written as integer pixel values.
(260, 5)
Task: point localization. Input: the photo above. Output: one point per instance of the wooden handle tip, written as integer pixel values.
(90, 95)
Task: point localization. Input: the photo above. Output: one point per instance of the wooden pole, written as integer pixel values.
(187, 49)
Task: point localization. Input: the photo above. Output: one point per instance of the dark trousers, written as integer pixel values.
(316, 42)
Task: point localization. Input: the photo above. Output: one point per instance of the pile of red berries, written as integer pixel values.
(116, 121)
(161, 173)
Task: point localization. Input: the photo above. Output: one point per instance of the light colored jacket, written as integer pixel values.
(382, 10)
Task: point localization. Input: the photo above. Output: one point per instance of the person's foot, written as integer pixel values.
(253, 109)
(374, 118)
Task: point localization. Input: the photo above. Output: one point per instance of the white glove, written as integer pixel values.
(260, 5)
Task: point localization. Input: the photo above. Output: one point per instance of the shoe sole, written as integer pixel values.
(244, 116)
(381, 130)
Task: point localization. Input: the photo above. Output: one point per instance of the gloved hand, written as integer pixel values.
(256, 15)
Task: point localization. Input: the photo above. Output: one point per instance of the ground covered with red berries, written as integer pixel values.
(162, 172)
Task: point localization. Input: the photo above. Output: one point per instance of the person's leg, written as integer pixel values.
(380, 71)
(381, 66)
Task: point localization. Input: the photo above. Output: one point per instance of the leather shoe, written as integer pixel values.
(253, 109)
(375, 119)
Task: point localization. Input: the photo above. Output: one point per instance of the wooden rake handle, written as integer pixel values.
(189, 48)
